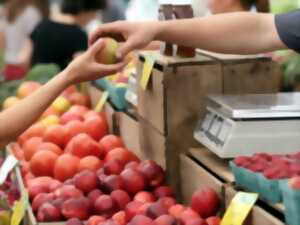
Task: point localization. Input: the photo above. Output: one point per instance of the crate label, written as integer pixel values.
(239, 208)
(102, 101)
(8, 165)
(19, 209)
(147, 71)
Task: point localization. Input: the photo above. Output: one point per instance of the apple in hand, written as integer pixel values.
(108, 53)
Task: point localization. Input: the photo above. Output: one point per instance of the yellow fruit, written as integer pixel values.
(50, 120)
(27, 88)
(108, 54)
(9, 102)
(5, 218)
(61, 105)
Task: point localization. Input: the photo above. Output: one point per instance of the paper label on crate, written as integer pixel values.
(147, 71)
(102, 101)
(7, 167)
(19, 209)
(239, 208)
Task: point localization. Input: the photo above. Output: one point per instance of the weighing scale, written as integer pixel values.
(249, 124)
(131, 93)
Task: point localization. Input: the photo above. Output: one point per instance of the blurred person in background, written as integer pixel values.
(226, 6)
(21, 17)
(114, 11)
(62, 38)
(145, 10)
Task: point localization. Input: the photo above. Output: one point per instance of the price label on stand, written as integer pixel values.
(147, 71)
(102, 101)
(19, 209)
(7, 167)
(239, 208)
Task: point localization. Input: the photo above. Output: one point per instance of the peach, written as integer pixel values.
(120, 218)
(166, 220)
(95, 220)
(34, 191)
(197, 221)
(69, 116)
(85, 181)
(176, 210)
(76, 208)
(153, 172)
(27, 88)
(72, 129)
(105, 206)
(134, 181)
(132, 209)
(96, 127)
(108, 54)
(40, 199)
(74, 221)
(64, 171)
(55, 134)
(206, 202)
(91, 163)
(121, 198)
(48, 213)
(79, 110)
(144, 197)
(42, 163)
(94, 195)
(188, 214)
(114, 167)
(132, 165)
(47, 146)
(141, 220)
(36, 130)
(79, 99)
(163, 191)
(30, 147)
(168, 202)
(110, 142)
(123, 155)
(156, 210)
(112, 183)
(55, 184)
(83, 145)
(213, 220)
(68, 191)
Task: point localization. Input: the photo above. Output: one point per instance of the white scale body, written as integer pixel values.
(245, 125)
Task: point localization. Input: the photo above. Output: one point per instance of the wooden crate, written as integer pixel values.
(128, 129)
(258, 215)
(194, 176)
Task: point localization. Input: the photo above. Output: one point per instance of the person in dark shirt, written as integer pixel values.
(231, 33)
(58, 41)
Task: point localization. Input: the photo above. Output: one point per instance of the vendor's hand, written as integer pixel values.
(85, 68)
(137, 35)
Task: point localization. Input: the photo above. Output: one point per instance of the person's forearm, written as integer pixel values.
(14, 121)
(234, 33)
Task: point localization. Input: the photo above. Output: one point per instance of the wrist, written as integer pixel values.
(159, 28)
(66, 77)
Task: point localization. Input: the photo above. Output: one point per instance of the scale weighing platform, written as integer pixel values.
(249, 124)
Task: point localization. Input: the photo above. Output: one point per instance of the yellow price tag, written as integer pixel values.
(19, 209)
(239, 208)
(102, 102)
(147, 71)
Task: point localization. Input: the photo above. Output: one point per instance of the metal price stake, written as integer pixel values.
(249, 124)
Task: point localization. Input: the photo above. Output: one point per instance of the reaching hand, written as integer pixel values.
(136, 35)
(85, 67)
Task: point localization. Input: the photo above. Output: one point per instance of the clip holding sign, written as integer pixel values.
(102, 101)
(239, 208)
(147, 71)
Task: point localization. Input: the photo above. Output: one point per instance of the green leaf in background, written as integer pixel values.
(283, 6)
(42, 73)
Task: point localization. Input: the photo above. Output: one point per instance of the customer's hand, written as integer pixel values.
(137, 35)
(85, 68)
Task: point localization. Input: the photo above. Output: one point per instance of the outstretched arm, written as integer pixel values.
(234, 33)
(17, 119)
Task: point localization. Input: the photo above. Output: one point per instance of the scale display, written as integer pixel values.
(245, 125)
